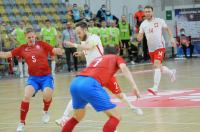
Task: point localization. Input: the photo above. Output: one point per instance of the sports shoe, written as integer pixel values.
(152, 91)
(21, 76)
(138, 111)
(173, 76)
(20, 127)
(58, 121)
(45, 117)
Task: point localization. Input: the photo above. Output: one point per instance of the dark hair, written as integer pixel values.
(47, 20)
(82, 24)
(148, 7)
(29, 30)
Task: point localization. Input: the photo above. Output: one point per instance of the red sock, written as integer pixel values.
(23, 111)
(69, 125)
(46, 105)
(111, 125)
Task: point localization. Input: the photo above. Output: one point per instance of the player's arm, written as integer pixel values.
(5, 54)
(58, 51)
(172, 40)
(84, 46)
(127, 74)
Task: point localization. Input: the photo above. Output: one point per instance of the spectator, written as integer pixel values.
(185, 42)
(138, 17)
(92, 28)
(49, 34)
(69, 35)
(101, 14)
(125, 35)
(76, 13)
(109, 18)
(87, 13)
(104, 33)
(114, 40)
(18, 37)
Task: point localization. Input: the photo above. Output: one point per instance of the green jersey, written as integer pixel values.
(104, 35)
(114, 35)
(20, 36)
(49, 35)
(124, 31)
(94, 30)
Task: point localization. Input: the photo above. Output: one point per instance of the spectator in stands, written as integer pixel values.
(101, 14)
(185, 42)
(109, 18)
(69, 35)
(125, 35)
(87, 14)
(49, 34)
(18, 37)
(92, 28)
(69, 15)
(104, 33)
(76, 13)
(138, 17)
(114, 40)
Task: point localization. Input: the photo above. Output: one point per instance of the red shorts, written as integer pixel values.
(157, 55)
(113, 86)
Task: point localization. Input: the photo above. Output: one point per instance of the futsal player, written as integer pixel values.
(35, 54)
(152, 27)
(87, 88)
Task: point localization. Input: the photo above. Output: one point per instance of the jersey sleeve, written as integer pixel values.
(120, 60)
(141, 28)
(163, 23)
(47, 47)
(16, 51)
(95, 40)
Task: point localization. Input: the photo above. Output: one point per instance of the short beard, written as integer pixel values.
(84, 37)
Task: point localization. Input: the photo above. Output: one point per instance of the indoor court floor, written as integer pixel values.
(175, 109)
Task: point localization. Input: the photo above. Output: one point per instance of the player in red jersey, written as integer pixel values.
(35, 54)
(152, 27)
(87, 87)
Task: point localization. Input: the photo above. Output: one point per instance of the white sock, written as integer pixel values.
(20, 68)
(68, 109)
(157, 77)
(26, 69)
(53, 66)
(125, 99)
(167, 71)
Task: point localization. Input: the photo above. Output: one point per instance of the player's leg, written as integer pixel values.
(26, 70)
(24, 108)
(65, 116)
(74, 120)
(20, 67)
(47, 85)
(170, 72)
(113, 121)
(53, 64)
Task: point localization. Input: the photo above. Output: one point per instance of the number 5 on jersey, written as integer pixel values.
(33, 59)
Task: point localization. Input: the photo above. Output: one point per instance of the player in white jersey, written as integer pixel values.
(153, 27)
(92, 48)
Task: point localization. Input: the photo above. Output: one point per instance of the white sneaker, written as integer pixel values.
(21, 76)
(138, 111)
(58, 121)
(20, 127)
(53, 73)
(132, 62)
(45, 117)
(173, 76)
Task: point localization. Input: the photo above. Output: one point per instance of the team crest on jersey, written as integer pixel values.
(37, 47)
(167, 99)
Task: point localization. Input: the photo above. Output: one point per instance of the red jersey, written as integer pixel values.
(36, 57)
(139, 17)
(103, 68)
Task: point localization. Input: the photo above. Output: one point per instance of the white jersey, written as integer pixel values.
(97, 51)
(153, 32)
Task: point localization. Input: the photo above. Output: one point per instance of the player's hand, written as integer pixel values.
(173, 42)
(70, 44)
(136, 92)
(58, 51)
(76, 54)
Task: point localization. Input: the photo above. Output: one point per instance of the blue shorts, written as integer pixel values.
(41, 82)
(86, 90)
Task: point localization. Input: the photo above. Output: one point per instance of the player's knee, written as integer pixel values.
(157, 64)
(27, 98)
(119, 96)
